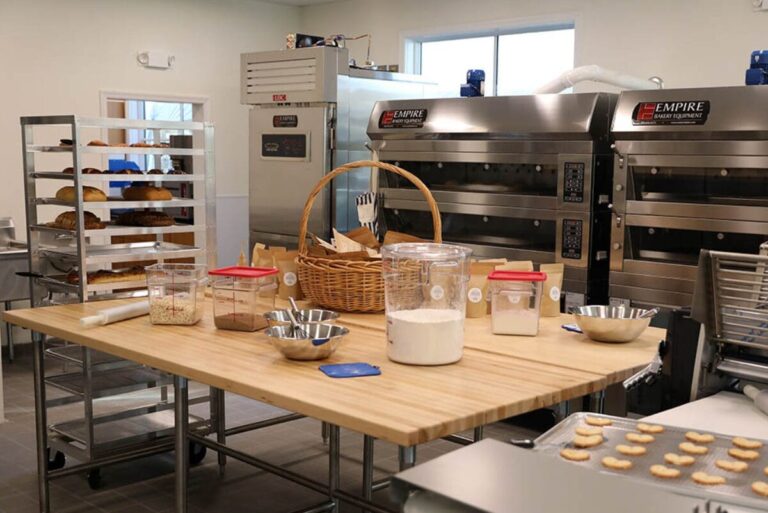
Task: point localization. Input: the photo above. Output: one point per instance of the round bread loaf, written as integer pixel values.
(144, 218)
(146, 193)
(89, 194)
(68, 221)
(98, 142)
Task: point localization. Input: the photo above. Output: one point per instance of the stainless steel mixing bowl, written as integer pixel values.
(309, 316)
(314, 342)
(612, 323)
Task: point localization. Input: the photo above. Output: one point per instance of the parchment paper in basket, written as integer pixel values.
(116, 314)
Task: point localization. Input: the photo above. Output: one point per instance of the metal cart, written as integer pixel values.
(138, 423)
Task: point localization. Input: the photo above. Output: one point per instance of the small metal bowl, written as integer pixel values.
(612, 323)
(309, 316)
(318, 341)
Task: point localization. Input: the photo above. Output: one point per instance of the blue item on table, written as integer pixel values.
(350, 370)
(572, 327)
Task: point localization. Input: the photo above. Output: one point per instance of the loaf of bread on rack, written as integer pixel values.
(128, 172)
(141, 144)
(155, 172)
(144, 218)
(146, 193)
(68, 221)
(89, 194)
(135, 273)
(98, 142)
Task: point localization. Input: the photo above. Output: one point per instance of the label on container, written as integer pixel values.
(513, 298)
(475, 295)
(554, 293)
(437, 292)
(289, 279)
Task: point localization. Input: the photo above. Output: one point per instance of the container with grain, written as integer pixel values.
(176, 293)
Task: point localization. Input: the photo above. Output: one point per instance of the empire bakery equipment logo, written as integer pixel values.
(671, 113)
(403, 118)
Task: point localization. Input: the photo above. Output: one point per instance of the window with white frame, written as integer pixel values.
(515, 62)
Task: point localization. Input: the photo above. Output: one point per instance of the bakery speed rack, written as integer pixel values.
(104, 409)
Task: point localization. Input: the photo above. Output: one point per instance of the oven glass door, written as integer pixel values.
(516, 179)
(488, 235)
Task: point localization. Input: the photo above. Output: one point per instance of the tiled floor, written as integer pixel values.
(146, 485)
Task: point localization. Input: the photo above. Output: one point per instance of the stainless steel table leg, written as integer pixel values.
(41, 423)
(9, 332)
(221, 427)
(598, 401)
(334, 463)
(181, 413)
(407, 456)
(324, 432)
(368, 467)
(479, 433)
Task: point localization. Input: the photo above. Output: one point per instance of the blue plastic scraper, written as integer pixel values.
(350, 370)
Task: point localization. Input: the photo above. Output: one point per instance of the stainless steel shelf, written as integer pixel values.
(119, 203)
(122, 433)
(115, 177)
(132, 252)
(116, 150)
(58, 281)
(115, 123)
(112, 382)
(73, 353)
(115, 230)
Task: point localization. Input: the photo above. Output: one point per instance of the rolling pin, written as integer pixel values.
(760, 397)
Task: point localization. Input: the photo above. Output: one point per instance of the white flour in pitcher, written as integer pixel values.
(425, 336)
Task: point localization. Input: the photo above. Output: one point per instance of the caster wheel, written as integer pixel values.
(58, 460)
(94, 479)
(196, 453)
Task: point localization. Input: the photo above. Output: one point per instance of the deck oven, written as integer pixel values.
(521, 177)
(690, 173)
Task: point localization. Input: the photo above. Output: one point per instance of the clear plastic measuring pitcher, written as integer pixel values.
(425, 288)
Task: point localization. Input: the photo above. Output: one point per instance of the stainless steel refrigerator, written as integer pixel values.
(309, 113)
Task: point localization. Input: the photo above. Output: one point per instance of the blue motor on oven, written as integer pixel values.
(757, 74)
(475, 85)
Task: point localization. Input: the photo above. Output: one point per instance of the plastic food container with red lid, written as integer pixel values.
(238, 295)
(515, 302)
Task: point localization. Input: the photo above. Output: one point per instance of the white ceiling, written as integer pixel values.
(300, 2)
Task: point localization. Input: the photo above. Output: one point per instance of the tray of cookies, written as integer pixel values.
(699, 461)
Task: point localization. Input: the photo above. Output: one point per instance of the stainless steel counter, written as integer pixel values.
(495, 477)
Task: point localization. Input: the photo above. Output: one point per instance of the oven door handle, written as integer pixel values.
(616, 151)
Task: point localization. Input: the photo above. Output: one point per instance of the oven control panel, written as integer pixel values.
(573, 186)
(573, 231)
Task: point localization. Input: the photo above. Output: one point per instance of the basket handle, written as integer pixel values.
(436, 222)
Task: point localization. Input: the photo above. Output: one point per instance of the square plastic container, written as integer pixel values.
(515, 302)
(238, 295)
(176, 293)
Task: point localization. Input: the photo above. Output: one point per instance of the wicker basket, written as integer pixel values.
(344, 285)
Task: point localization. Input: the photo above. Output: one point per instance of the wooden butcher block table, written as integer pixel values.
(406, 405)
(497, 377)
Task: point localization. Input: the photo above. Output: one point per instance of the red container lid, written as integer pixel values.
(517, 276)
(244, 272)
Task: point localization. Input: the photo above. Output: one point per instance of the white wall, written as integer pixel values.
(688, 43)
(56, 56)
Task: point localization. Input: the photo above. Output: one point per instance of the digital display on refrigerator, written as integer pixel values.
(292, 146)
